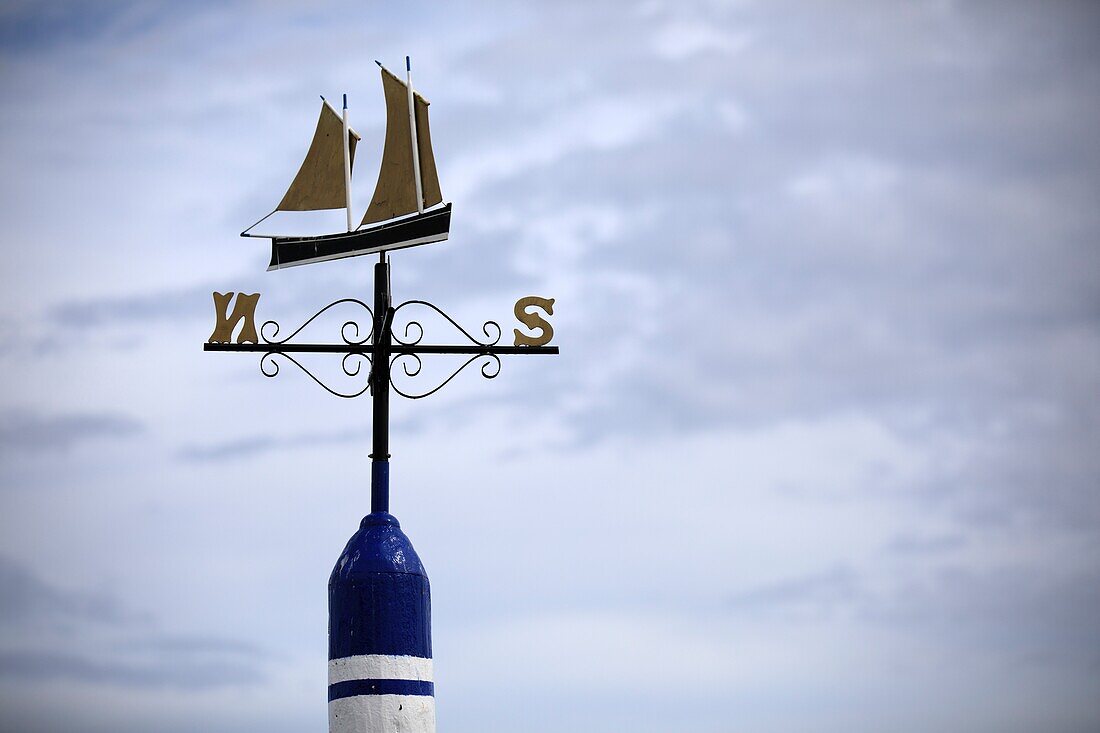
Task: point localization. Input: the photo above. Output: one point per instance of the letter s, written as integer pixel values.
(534, 321)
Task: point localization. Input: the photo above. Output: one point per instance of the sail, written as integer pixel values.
(395, 192)
(320, 181)
(429, 179)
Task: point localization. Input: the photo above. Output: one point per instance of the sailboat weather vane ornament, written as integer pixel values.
(407, 207)
(380, 660)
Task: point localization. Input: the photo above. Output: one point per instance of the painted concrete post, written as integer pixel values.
(380, 634)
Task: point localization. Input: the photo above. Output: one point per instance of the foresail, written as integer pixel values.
(320, 181)
(395, 192)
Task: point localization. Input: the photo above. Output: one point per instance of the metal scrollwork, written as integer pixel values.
(270, 368)
(350, 341)
(382, 345)
(485, 327)
(487, 371)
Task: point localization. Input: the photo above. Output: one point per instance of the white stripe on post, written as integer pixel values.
(382, 714)
(379, 667)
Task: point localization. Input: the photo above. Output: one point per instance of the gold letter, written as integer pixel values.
(245, 309)
(534, 320)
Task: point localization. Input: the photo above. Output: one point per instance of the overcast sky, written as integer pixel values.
(821, 451)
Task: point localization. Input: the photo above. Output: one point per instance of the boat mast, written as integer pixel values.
(416, 149)
(347, 164)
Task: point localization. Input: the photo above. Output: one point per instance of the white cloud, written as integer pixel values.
(679, 40)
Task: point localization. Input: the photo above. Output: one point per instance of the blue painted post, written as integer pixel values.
(380, 634)
(380, 617)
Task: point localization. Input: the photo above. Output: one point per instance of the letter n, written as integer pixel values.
(244, 309)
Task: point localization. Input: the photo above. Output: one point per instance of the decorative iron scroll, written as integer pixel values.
(401, 344)
(493, 359)
(484, 327)
(349, 334)
(354, 341)
(269, 367)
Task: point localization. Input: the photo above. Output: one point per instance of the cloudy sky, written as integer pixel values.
(820, 452)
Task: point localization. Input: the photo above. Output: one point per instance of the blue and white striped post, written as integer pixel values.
(380, 617)
(380, 635)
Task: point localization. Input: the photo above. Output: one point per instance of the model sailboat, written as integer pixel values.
(406, 207)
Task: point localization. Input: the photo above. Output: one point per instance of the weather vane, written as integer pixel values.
(380, 654)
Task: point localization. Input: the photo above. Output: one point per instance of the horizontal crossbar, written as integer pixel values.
(393, 349)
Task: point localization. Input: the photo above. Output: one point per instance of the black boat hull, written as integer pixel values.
(431, 226)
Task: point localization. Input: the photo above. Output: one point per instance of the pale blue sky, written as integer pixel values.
(819, 452)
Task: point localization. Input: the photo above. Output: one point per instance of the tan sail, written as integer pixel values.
(395, 192)
(429, 179)
(320, 181)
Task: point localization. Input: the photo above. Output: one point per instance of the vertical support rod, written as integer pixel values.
(415, 141)
(380, 391)
(380, 676)
(347, 163)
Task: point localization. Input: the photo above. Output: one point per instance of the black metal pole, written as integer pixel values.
(380, 389)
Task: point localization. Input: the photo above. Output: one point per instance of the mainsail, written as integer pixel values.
(395, 192)
(320, 181)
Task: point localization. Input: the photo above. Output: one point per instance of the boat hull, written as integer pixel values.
(431, 226)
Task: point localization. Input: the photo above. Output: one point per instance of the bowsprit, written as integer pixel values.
(380, 638)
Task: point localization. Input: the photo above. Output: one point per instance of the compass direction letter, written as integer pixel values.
(534, 321)
(244, 309)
